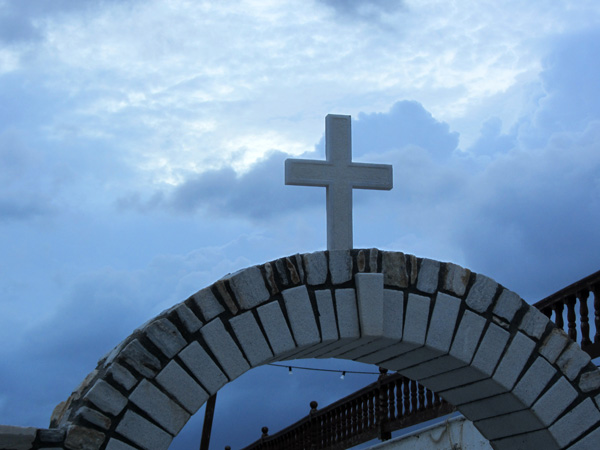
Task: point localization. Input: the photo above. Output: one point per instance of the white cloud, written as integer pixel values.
(212, 74)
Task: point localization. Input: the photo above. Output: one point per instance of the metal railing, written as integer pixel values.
(395, 402)
(391, 403)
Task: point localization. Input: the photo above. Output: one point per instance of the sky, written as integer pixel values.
(142, 146)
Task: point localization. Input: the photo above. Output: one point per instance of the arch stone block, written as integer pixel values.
(521, 381)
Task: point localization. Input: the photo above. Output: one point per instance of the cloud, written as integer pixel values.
(64, 337)
(98, 78)
(260, 194)
(23, 208)
(570, 88)
(534, 201)
(22, 195)
(185, 133)
(21, 22)
(535, 210)
(372, 10)
(492, 141)
(407, 123)
(16, 27)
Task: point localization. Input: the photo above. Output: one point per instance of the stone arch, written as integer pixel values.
(505, 366)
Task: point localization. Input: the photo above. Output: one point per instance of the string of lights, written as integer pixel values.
(316, 369)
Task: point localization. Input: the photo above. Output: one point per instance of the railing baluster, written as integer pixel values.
(346, 420)
(383, 402)
(338, 425)
(358, 417)
(414, 402)
(372, 409)
(398, 385)
(354, 418)
(571, 317)
(333, 433)
(558, 318)
(429, 398)
(392, 400)
(596, 291)
(363, 413)
(584, 317)
(421, 390)
(406, 396)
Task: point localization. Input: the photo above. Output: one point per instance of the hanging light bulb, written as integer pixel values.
(289, 370)
(343, 375)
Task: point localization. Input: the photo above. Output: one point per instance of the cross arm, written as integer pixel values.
(371, 176)
(308, 172)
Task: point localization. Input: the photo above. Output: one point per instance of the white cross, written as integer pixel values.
(339, 175)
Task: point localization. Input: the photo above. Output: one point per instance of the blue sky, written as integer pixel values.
(142, 147)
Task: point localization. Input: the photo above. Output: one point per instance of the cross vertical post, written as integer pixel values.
(339, 175)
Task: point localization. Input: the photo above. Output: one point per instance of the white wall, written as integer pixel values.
(454, 434)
